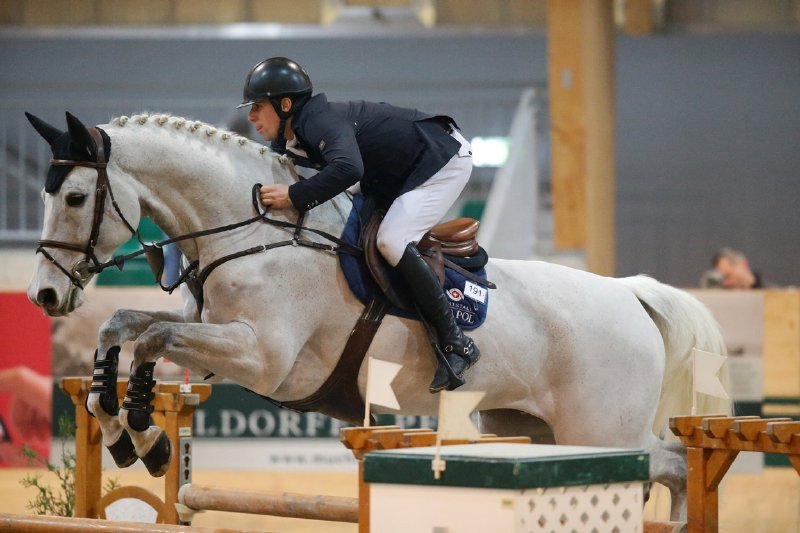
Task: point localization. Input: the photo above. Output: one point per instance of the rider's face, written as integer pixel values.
(265, 119)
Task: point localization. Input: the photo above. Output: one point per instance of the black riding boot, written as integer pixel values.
(456, 351)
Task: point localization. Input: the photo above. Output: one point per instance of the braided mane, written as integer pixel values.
(201, 130)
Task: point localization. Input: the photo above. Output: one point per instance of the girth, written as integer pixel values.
(338, 396)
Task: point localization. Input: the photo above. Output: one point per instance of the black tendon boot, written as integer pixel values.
(456, 351)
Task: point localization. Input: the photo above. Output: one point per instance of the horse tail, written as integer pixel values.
(684, 323)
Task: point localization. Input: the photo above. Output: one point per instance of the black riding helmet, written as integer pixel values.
(276, 78)
(273, 79)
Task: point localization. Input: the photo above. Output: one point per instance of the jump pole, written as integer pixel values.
(286, 504)
(58, 524)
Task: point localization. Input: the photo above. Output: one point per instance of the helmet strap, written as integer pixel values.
(280, 142)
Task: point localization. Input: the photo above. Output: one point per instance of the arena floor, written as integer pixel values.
(765, 503)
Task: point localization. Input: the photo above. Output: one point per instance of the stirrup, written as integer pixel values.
(444, 378)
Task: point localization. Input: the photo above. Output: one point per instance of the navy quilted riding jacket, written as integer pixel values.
(389, 149)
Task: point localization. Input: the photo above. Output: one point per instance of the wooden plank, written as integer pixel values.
(638, 17)
(718, 427)
(294, 12)
(580, 44)
(663, 527)
(685, 425)
(785, 433)
(750, 429)
(53, 524)
(391, 439)
(11, 14)
(702, 503)
(211, 11)
(782, 343)
(135, 12)
(598, 53)
(565, 77)
(58, 12)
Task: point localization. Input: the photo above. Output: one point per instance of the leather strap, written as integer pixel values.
(338, 397)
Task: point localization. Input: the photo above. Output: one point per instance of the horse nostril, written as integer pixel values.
(47, 298)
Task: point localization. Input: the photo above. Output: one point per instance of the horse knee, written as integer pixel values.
(154, 341)
(109, 331)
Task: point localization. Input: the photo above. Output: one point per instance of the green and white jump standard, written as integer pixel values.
(507, 487)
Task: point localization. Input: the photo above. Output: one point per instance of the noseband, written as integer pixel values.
(83, 269)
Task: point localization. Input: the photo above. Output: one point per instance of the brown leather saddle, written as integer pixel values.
(442, 246)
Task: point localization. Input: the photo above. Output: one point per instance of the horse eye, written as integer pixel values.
(75, 199)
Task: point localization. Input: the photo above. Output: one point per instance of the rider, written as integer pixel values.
(412, 163)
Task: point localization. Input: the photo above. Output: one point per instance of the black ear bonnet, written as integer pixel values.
(75, 144)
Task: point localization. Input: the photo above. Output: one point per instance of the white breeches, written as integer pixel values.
(412, 214)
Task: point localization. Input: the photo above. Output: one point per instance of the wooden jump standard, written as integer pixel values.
(712, 444)
(174, 405)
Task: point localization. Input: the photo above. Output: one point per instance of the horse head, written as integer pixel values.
(84, 221)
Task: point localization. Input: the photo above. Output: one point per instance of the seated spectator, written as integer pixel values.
(731, 270)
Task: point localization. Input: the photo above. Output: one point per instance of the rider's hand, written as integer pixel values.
(276, 196)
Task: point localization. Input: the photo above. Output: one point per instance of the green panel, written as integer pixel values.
(747, 408)
(136, 271)
(523, 471)
(473, 209)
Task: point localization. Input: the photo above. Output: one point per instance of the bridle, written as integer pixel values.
(83, 269)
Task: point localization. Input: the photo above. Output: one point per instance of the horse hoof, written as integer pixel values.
(123, 451)
(157, 459)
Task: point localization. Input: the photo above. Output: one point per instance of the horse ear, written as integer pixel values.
(48, 132)
(79, 136)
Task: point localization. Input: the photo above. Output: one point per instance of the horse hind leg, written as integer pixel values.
(669, 468)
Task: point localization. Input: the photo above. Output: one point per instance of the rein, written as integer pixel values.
(153, 251)
(191, 272)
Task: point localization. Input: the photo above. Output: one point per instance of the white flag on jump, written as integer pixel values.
(379, 383)
(706, 370)
(454, 411)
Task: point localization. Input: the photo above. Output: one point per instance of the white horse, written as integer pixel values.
(593, 360)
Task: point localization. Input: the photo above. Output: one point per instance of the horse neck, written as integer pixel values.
(188, 183)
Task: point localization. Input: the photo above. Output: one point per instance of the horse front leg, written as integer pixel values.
(227, 350)
(124, 325)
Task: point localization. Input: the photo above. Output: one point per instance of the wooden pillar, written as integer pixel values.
(638, 17)
(707, 467)
(88, 451)
(782, 345)
(580, 42)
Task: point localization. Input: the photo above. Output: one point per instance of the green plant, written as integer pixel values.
(59, 501)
